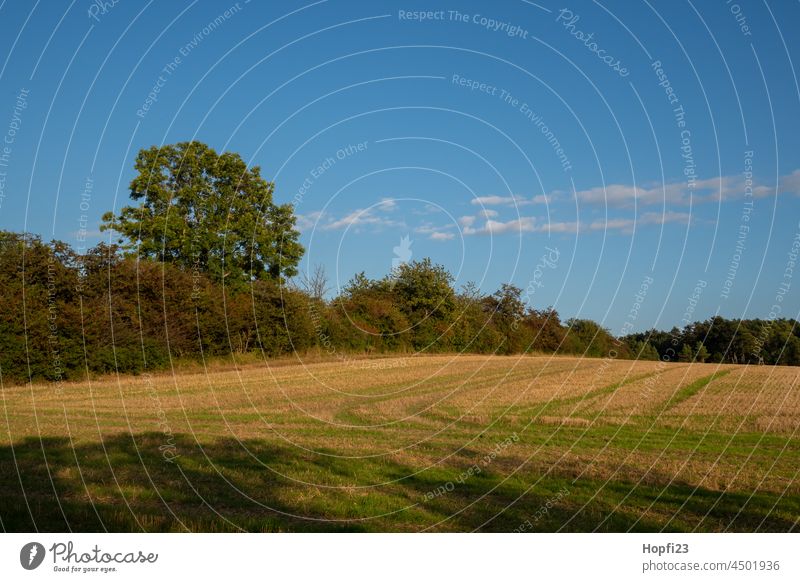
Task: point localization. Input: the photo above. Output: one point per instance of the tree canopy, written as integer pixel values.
(209, 213)
(105, 311)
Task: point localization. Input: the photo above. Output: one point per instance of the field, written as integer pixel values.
(436, 443)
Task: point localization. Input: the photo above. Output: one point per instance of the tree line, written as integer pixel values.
(205, 265)
(67, 315)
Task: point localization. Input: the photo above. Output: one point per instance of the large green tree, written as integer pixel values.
(207, 212)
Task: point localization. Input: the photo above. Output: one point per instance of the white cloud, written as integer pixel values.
(711, 189)
(427, 209)
(442, 236)
(626, 225)
(436, 232)
(500, 201)
(308, 221)
(544, 198)
(493, 227)
(616, 224)
(487, 213)
(427, 228)
(387, 205)
(665, 217)
(356, 217)
(467, 221)
(559, 227)
(365, 217)
(789, 184)
(625, 195)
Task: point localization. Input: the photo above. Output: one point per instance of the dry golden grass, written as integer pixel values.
(762, 390)
(754, 398)
(413, 395)
(647, 424)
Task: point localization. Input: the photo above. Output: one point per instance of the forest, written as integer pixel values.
(66, 315)
(185, 281)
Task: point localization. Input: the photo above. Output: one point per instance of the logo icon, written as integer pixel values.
(402, 253)
(31, 555)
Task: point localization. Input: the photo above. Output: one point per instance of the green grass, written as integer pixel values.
(688, 391)
(641, 475)
(238, 492)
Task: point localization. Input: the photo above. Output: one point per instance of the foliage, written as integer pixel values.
(208, 212)
(106, 311)
(643, 350)
(734, 341)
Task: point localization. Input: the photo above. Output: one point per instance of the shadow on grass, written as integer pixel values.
(126, 484)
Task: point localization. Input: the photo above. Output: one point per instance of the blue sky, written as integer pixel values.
(649, 147)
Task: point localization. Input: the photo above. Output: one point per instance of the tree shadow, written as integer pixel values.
(143, 483)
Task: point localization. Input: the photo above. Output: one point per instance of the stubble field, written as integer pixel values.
(437, 443)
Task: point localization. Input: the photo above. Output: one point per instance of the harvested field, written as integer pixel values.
(438, 443)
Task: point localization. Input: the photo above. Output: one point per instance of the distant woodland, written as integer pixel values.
(206, 265)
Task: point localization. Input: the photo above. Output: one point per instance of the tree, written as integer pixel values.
(358, 283)
(507, 310)
(701, 353)
(315, 283)
(507, 303)
(38, 335)
(424, 290)
(791, 353)
(548, 329)
(643, 350)
(207, 212)
(473, 329)
(686, 354)
(587, 337)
